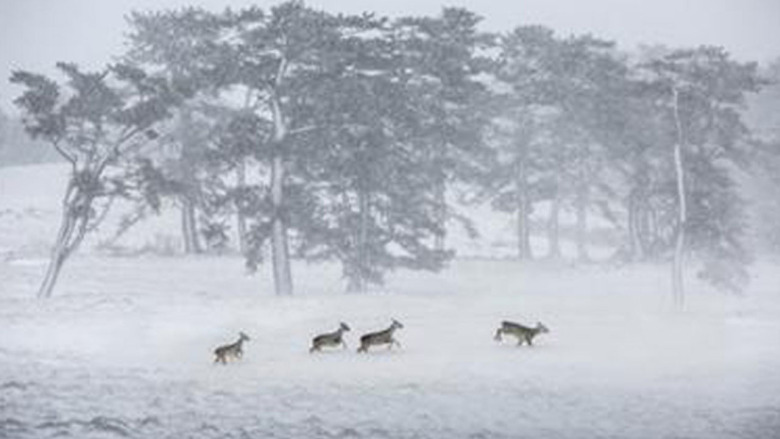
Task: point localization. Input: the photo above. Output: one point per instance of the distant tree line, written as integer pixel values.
(16, 146)
(353, 138)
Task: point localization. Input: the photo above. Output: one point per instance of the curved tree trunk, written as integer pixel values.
(59, 254)
(73, 228)
(52, 272)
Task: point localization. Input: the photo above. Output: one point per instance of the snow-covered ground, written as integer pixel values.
(125, 350)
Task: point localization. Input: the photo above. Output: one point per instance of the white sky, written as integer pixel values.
(34, 34)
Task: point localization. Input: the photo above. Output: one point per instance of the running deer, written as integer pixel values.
(380, 337)
(334, 338)
(523, 333)
(233, 350)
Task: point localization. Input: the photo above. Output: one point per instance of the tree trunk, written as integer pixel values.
(554, 249)
(651, 232)
(279, 238)
(185, 230)
(73, 228)
(583, 199)
(240, 216)
(523, 214)
(678, 287)
(189, 227)
(358, 280)
(441, 214)
(52, 273)
(635, 243)
(241, 226)
(59, 254)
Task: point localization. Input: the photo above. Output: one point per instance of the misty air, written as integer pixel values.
(365, 219)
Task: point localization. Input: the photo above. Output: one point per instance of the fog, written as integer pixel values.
(34, 34)
(539, 218)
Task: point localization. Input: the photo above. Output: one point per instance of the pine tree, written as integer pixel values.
(181, 45)
(700, 92)
(97, 121)
(370, 193)
(444, 55)
(527, 160)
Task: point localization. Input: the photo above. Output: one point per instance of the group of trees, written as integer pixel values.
(347, 137)
(763, 117)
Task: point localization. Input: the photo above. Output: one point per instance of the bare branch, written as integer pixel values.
(102, 216)
(282, 66)
(68, 156)
(302, 130)
(128, 134)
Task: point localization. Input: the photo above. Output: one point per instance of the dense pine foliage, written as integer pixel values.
(348, 138)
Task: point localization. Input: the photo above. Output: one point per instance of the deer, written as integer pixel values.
(232, 350)
(380, 337)
(523, 333)
(334, 338)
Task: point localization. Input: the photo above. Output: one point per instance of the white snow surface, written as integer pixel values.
(124, 349)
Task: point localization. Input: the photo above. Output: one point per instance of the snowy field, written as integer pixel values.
(124, 349)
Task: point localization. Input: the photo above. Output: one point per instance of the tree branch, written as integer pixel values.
(282, 66)
(302, 130)
(69, 157)
(128, 134)
(102, 216)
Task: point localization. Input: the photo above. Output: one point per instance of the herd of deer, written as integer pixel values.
(524, 334)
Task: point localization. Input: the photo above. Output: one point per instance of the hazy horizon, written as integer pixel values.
(384, 236)
(35, 34)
